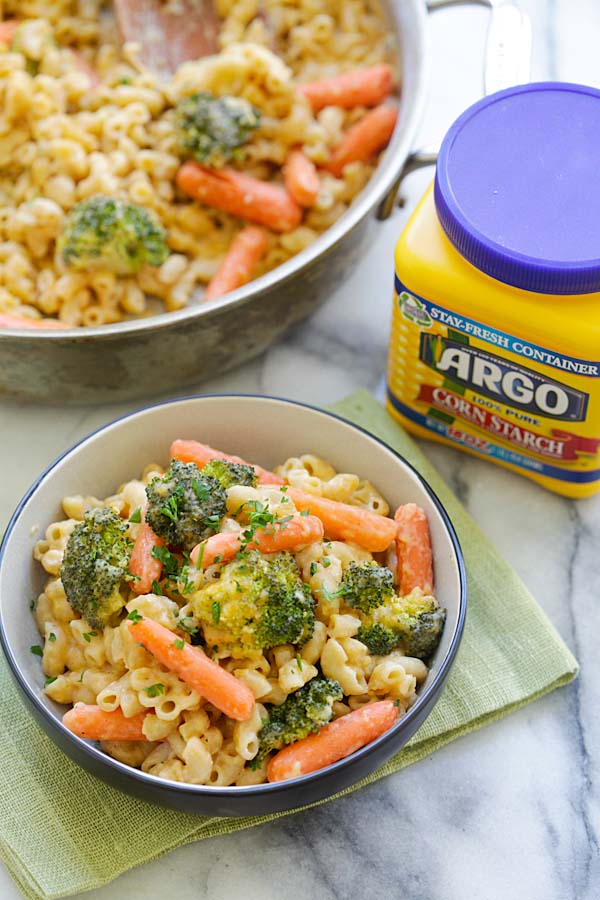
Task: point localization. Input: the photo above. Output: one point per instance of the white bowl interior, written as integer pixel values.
(261, 430)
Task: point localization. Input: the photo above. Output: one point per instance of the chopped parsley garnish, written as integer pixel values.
(216, 611)
(155, 690)
(332, 595)
(36, 650)
(134, 616)
(156, 588)
(179, 644)
(187, 624)
(305, 512)
(49, 680)
(51, 637)
(171, 507)
(88, 635)
(219, 558)
(201, 490)
(212, 521)
(136, 515)
(313, 568)
(325, 562)
(170, 563)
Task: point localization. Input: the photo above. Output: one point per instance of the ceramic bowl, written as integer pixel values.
(263, 430)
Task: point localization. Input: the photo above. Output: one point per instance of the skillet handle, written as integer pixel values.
(507, 62)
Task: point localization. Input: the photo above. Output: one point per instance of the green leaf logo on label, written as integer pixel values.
(414, 310)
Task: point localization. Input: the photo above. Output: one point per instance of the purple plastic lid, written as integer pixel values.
(517, 187)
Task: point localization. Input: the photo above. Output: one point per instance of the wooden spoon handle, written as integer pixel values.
(169, 33)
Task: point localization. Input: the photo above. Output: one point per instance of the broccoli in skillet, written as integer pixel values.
(302, 713)
(228, 474)
(366, 586)
(413, 623)
(213, 130)
(95, 565)
(185, 506)
(258, 602)
(108, 233)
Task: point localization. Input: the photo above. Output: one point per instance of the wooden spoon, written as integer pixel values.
(169, 33)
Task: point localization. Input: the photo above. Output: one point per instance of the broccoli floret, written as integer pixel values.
(415, 623)
(94, 565)
(378, 639)
(108, 233)
(228, 473)
(213, 130)
(258, 602)
(303, 712)
(185, 506)
(366, 586)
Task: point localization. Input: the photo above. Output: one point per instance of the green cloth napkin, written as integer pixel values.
(63, 831)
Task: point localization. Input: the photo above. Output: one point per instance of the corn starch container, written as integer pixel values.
(495, 342)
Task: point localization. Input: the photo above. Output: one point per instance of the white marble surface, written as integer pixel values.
(512, 810)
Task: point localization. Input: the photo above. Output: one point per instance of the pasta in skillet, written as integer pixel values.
(113, 182)
(213, 623)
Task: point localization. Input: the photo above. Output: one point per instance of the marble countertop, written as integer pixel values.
(512, 810)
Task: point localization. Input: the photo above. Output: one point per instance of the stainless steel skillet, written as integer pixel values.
(111, 363)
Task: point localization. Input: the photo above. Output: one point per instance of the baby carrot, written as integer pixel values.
(247, 249)
(241, 195)
(232, 696)
(142, 564)
(201, 454)
(334, 741)
(347, 523)
(370, 135)
(359, 87)
(301, 179)
(7, 31)
(95, 724)
(10, 321)
(291, 535)
(413, 549)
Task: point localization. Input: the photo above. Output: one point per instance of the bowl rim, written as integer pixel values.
(218, 791)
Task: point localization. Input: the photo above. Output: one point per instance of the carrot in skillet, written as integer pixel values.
(201, 454)
(232, 696)
(241, 195)
(7, 31)
(291, 535)
(413, 549)
(347, 523)
(10, 321)
(334, 741)
(360, 87)
(142, 564)
(95, 724)
(301, 179)
(370, 135)
(247, 249)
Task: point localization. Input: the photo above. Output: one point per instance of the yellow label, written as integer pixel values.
(495, 394)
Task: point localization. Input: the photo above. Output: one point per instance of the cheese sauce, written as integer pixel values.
(495, 342)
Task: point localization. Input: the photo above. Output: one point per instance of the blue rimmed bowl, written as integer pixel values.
(265, 430)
